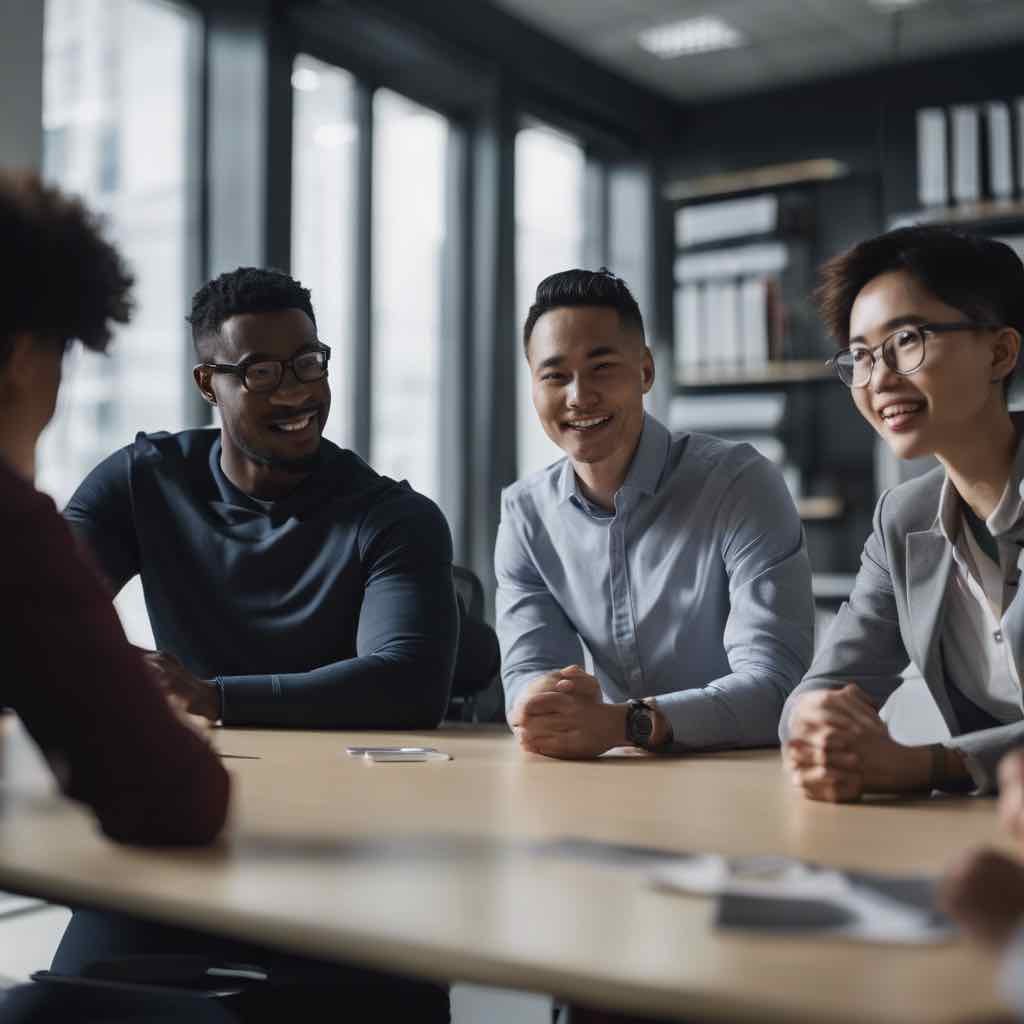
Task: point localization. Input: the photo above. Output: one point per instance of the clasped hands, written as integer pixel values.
(839, 748)
(563, 714)
(186, 693)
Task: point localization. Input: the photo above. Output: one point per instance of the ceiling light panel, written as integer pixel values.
(691, 36)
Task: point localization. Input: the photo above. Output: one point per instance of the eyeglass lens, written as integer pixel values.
(902, 351)
(265, 376)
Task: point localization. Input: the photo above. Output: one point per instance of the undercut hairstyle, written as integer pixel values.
(62, 280)
(245, 290)
(584, 288)
(981, 277)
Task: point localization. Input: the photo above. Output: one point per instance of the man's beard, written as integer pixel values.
(303, 464)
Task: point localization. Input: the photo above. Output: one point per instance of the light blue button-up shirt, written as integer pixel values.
(696, 590)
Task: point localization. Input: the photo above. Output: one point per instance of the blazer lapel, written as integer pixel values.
(929, 563)
(1013, 621)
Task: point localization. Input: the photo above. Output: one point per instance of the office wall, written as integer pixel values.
(866, 120)
(21, 83)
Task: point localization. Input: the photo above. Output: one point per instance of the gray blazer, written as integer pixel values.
(895, 615)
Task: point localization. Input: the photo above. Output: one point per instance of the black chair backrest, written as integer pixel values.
(470, 590)
(479, 658)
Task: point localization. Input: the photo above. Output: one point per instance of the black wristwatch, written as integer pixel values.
(639, 724)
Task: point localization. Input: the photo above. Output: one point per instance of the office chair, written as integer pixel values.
(478, 658)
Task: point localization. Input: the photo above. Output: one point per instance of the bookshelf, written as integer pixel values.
(772, 374)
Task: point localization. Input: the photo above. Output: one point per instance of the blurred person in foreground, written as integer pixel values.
(929, 321)
(81, 690)
(984, 889)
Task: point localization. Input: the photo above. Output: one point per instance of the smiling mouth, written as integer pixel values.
(583, 426)
(294, 424)
(898, 414)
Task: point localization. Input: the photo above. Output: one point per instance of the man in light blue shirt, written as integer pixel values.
(677, 563)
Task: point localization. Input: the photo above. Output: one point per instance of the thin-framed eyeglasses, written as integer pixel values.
(902, 351)
(264, 375)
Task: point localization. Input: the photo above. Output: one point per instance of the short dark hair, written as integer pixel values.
(583, 288)
(981, 277)
(62, 280)
(245, 290)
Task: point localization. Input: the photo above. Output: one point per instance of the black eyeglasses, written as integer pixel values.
(263, 375)
(902, 352)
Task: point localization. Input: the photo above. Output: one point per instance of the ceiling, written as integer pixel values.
(790, 41)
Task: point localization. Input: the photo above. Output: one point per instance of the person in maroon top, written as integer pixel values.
(82, 691)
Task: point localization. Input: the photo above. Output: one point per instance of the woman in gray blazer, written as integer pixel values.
(929, 324)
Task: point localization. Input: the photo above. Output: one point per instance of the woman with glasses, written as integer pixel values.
(929, 322)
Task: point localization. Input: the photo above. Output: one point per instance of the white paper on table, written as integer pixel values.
(870, 904)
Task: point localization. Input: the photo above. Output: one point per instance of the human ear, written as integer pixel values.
(20, 367)
(203, 377)
(647, 370)
(1005, 352)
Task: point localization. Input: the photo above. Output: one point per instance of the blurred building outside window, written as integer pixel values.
(119, 81)
(410, 148)
(325, 135)
(549, 173)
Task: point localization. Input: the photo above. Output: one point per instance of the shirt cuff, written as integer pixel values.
(695, 720)
(219, 683)
(983, 785)
(250, 700)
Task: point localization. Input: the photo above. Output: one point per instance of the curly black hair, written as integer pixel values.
(584, 288)
(62, 280)
(245, 290)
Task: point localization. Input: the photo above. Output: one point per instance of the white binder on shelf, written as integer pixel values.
(932, 175)
(1019, 111)
(689, 329)
(754, 321)
(728, 218)
(966, 152)
(998, 138)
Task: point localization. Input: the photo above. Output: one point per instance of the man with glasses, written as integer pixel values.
(930, 324)
(287, 584)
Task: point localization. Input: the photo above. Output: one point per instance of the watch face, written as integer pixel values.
(641, 725)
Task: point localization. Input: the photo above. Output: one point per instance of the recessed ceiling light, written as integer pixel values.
(895, 5)
(693, 35)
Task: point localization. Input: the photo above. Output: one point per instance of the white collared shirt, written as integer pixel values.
(977, 657)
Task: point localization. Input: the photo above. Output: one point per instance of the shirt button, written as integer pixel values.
(998, 636)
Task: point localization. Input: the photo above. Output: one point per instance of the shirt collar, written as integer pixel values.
(1007, 513)
(645, 471)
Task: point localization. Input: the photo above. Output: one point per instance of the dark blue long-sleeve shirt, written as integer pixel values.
(330, 607)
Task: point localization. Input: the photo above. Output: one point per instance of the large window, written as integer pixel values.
(324, 166)
(550, 171)
(119, 82)
(410, 145)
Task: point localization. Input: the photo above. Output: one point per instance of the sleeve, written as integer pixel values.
(864, 644)
(408, 633)
(534, 633)
(769, 632)
(84, 696)
(102, 519)
(983, 750)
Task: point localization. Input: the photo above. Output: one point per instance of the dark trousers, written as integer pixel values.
(48, 1004)
(297, 987)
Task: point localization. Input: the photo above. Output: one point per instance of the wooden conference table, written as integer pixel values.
(440, 870)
